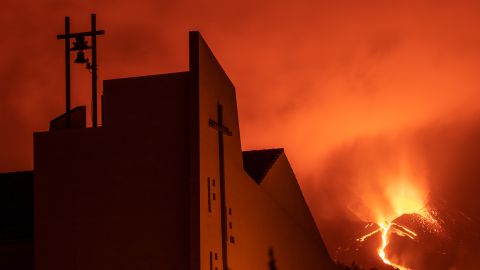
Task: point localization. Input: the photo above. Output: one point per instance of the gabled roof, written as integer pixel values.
(258, 162)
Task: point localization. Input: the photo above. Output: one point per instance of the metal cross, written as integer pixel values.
(222, 130)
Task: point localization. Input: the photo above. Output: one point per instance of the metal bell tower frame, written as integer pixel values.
(92, 66)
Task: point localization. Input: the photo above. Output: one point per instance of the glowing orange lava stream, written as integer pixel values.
(386, 229)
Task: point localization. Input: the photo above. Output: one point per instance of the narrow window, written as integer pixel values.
(209, 202)
(211, 262)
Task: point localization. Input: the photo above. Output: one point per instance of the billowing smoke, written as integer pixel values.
(309, 76)
(367, 178)
(349, 88)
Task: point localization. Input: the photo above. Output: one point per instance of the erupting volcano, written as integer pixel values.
(403, 195)
(408, 201)
(407, 229)
(386, 229)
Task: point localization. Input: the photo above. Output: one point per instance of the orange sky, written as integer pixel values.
(310, 75)
(333, 82)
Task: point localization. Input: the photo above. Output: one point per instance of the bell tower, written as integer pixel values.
(80, 45)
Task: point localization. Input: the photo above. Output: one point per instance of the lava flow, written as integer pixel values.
(386, 229)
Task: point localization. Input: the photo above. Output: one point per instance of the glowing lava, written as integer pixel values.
(386, 229)
(400, 190)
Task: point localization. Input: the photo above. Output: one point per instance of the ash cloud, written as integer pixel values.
(445, 153)
(451, 153)
(310, 76)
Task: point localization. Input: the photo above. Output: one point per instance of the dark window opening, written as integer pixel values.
(209, 202)
(211, 262)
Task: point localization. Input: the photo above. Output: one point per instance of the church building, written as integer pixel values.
(164, 184)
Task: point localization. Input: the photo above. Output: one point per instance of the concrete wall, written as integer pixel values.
(156, 100)
(257, 221)
(114, 197)
(281, 185)
(214, 88)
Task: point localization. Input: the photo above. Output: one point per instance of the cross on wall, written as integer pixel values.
(222, 130)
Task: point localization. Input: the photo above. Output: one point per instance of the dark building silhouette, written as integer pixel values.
(164, 184)
(16, 220)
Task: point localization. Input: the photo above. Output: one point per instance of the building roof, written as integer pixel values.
(258, 162)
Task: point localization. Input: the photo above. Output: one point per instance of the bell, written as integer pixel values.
(81, 59)
(80, 44)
